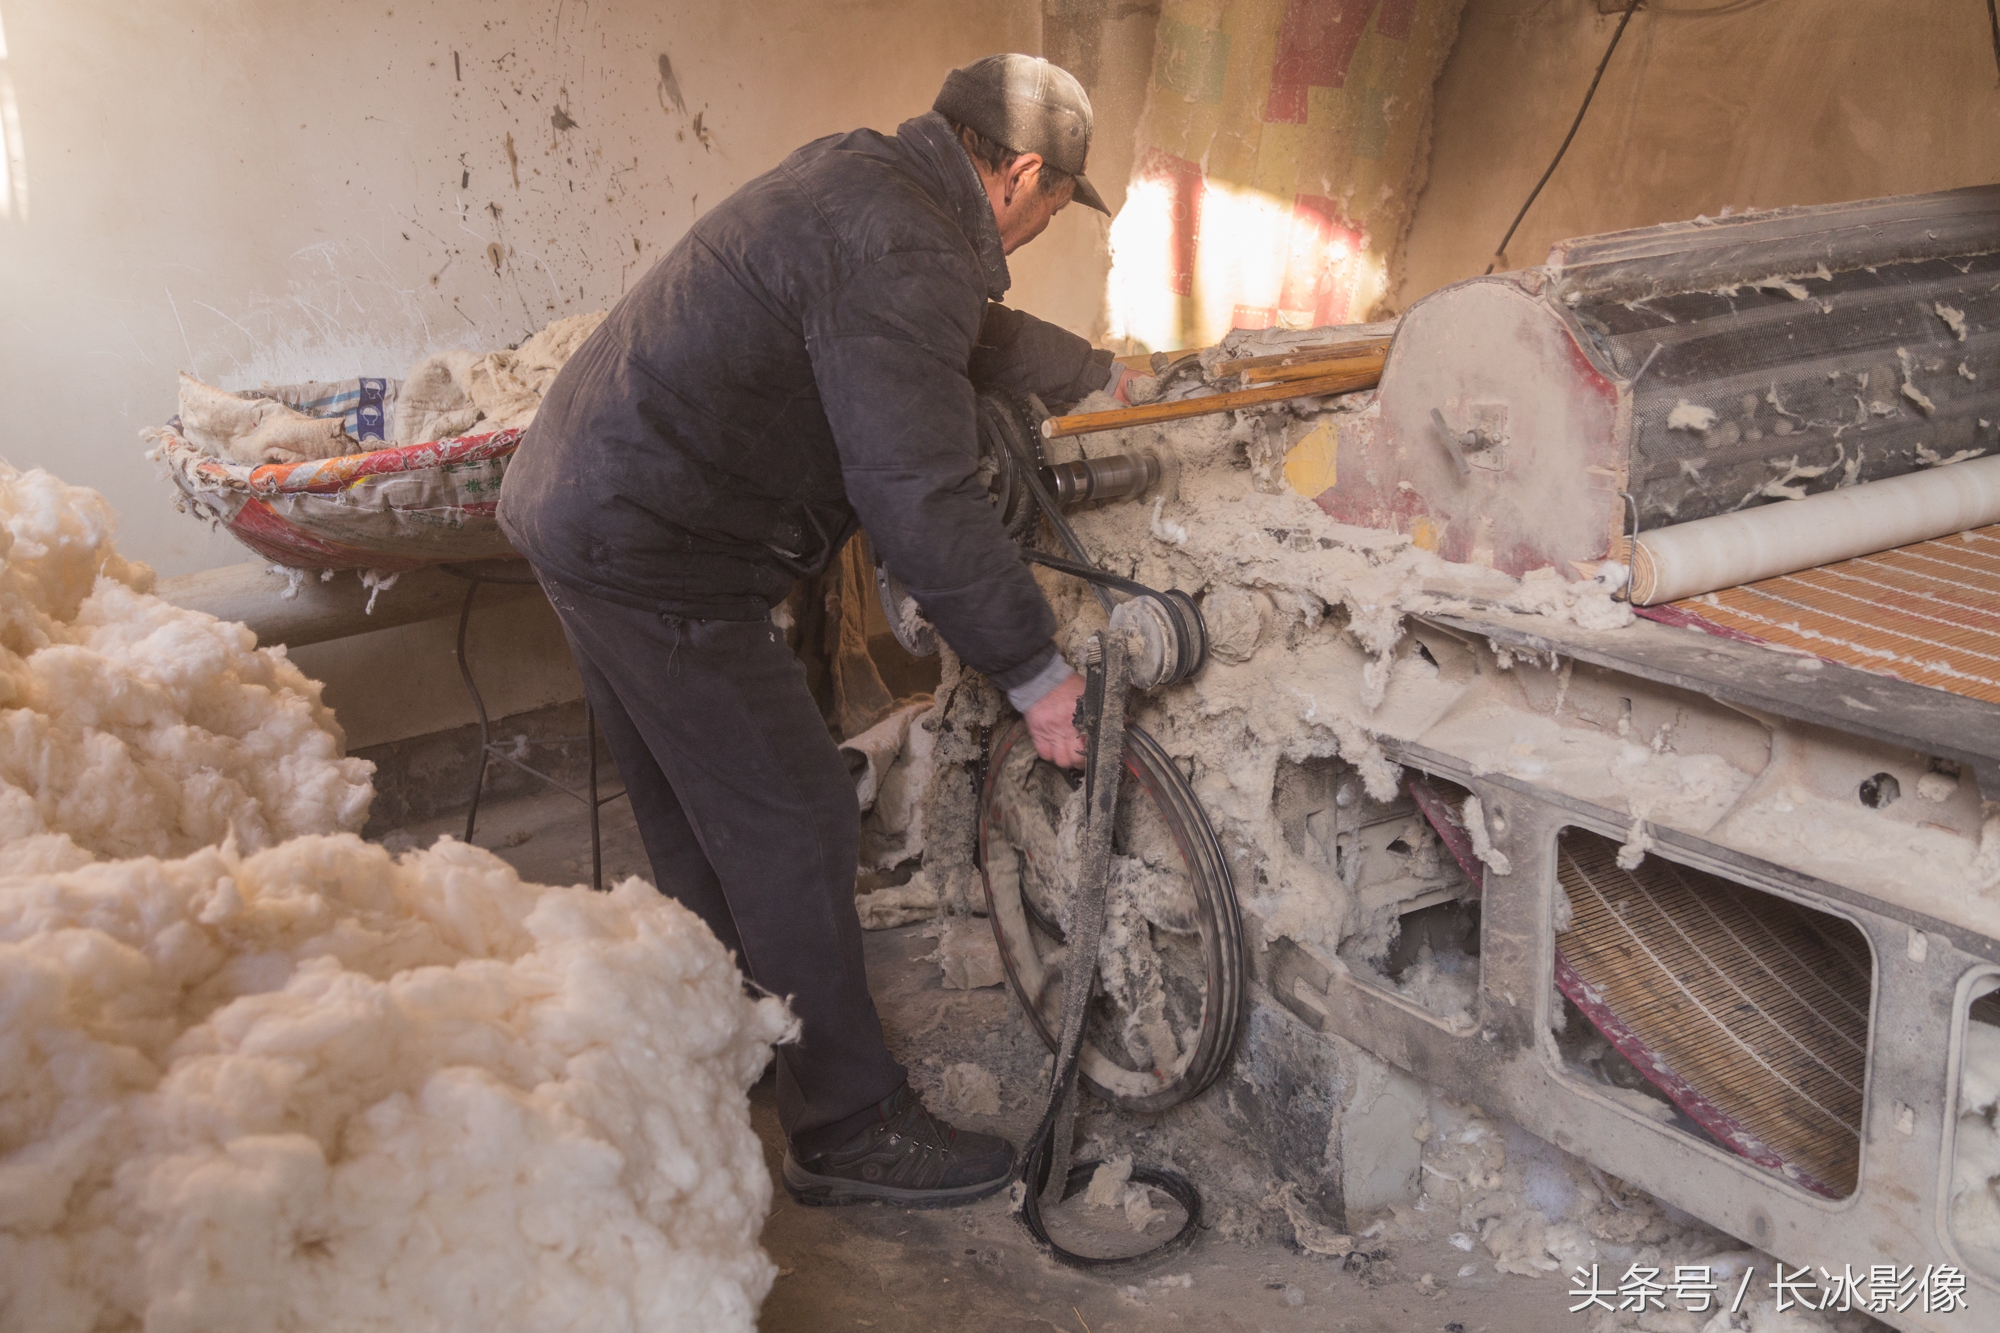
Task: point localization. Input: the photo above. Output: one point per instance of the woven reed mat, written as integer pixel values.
(1928, 613)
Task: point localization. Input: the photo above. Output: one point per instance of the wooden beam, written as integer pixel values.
(1147, 414)
(1257, 367)
(1312, 370)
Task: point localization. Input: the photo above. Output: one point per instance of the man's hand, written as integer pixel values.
(1131, 387)
(1052, 724)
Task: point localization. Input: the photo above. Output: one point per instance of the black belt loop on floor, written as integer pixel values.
(1046, 1169)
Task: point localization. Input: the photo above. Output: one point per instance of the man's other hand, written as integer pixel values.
(1131, 387)
(1052, 724)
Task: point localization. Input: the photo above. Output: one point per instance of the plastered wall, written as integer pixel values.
(295, 189)
(298, 188)
(1707, 105)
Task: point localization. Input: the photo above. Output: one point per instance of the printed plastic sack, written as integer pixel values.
(387, 509)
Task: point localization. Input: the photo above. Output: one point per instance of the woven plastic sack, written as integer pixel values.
(388, 509)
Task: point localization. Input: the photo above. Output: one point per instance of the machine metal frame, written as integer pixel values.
(1925, 969)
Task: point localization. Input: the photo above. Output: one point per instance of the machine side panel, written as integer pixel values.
(1543, 466)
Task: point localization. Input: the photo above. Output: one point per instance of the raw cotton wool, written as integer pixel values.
(1975, 1186)
(131, 727)
(320, 1088)
(256, 1074)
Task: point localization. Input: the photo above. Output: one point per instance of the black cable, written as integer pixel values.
(1993, 13)
(1500, 252)
(1727, 7)
(1164, 1179)
(1031, 472)
(1088, 573)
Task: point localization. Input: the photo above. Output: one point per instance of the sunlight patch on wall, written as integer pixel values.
(1280, 152)
(13, 166)
(1193, 259)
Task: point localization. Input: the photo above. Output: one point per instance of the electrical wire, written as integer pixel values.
(1993, 14)
(1702, 11)
(1500, 251)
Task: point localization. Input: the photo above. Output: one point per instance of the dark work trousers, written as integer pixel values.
(749, 818)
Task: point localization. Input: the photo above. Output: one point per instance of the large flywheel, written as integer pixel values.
(1170, 991)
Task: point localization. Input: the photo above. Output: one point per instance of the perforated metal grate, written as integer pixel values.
(1751, 1011)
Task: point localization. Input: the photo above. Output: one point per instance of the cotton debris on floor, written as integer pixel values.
(966, 953)
(1111, 1187)
(1531, 1210)
(256, 1074)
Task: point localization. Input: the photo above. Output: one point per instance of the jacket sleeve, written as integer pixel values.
(889, 349)
(1022, 354)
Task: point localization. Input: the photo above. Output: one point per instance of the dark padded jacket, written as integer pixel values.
(805, 358)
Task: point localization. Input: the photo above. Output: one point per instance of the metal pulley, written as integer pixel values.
(1167, 642)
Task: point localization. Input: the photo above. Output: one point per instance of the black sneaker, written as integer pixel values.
(910, 1157)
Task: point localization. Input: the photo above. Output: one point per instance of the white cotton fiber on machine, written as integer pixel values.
(318, 1088)
(1975, 1201)
(131, 727)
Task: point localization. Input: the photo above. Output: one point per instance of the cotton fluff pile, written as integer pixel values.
(319, 1088)
(255, 430)
(131, 727)
(1975, 1190)
(256, 1074)
(458, 393)
(445, 394)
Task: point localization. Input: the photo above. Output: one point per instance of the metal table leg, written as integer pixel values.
(489, 751)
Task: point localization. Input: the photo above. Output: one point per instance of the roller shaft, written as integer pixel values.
(1117, 477)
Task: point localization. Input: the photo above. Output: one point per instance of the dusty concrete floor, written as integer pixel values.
(974, 1269)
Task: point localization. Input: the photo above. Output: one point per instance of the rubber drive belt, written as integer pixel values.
(1046, 1168)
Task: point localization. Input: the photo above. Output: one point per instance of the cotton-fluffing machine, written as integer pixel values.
(1652, 377)
(1774, 910)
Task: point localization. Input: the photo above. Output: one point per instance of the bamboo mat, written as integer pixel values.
(1928, 613)
(1749, 1011)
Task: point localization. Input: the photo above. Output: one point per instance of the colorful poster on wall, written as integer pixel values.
(1280, 154)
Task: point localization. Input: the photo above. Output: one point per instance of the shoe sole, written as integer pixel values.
(816, 1191)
